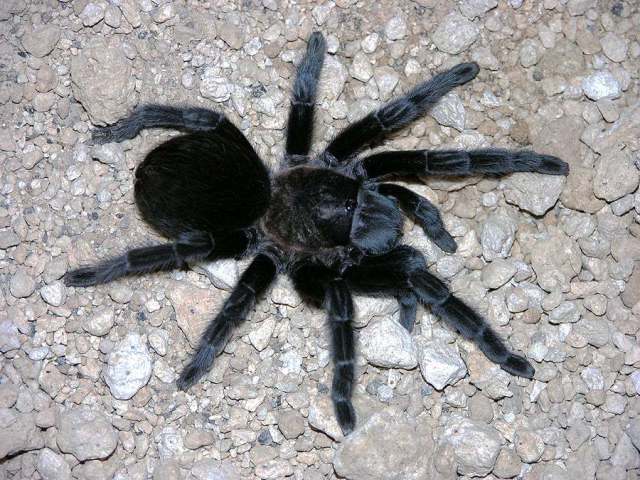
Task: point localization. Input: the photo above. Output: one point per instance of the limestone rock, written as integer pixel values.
(86, 434)
(103, 81)
(386, 446)
(455, 34)
(128, 367)
(40, 41)
(388, 344)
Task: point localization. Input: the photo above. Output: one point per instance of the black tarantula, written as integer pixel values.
(329, 222)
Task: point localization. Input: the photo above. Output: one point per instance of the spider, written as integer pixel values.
(329, 221)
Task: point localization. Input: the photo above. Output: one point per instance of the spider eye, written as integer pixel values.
(350, 205)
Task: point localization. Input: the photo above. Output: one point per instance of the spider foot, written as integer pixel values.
(97, 274)
(346, 415)
(464, 72)
(528, 161)
(519, 366)
(119, 131)
(198, 366)
(82, 277)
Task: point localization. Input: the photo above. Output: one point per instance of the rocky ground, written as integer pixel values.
(87, 376)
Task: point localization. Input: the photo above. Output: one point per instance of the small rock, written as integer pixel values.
(86, 434)
(51, 380)
(9, 339)
(274, 469)
(193, 307)
(113, 16)
(92, 14)
(361, 68)
(51, 466)
(210, 469)
(580, 7)
(291, 424)
(163, 13)
(396, 28)
(231, 35)
(158, 339)
(449, 112)
(100, 323)
(440, 363)
(616, 175)
(593, 378)
(198, 439)
(261, 335)
(8, 394)
(455, 34)
(370, 43)
(214, 86)
(109, 153)
(477, 8)
(223, 274)
(322, 417)
(19, 433)
(128, 367)
(508, 464)
(332, 79)
(498, 234)
(103, 81)
(386, 442)
(530, 52)
(388, 344)
(625, 454)
(370, 308)
(8, 239)
(600, 85)
(386, 78)
(475, 445)
(533, 192)
(529, 446)
(22, 284)
(40, 41)
(497, 273)
(614, 46)
(46, 79)
(54, 294)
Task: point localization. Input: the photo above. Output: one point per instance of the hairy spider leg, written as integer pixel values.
(320, 286)
(305, 86)
(378, 125)
(406, 267)
(189, 119)
(408, 309)
(423, 212)
(190, 247)
(492, 161)
(253, 282)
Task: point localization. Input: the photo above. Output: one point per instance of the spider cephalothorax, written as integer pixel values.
(329, 222)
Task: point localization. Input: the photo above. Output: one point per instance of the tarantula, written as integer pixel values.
(328, 221)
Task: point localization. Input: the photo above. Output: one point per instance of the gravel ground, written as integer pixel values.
(87, 375)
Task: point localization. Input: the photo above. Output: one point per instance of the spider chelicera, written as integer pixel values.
(330, 222)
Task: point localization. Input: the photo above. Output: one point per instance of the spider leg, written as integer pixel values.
(423, 212)
(300, 123)
(408, 309)
(318, 284)
(253, 283)
(494, 161)
(376, 126)
(405, 267)
(169, 256)
(191, 119)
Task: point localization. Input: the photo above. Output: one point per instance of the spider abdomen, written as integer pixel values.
(205, 181)
(311, 208)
